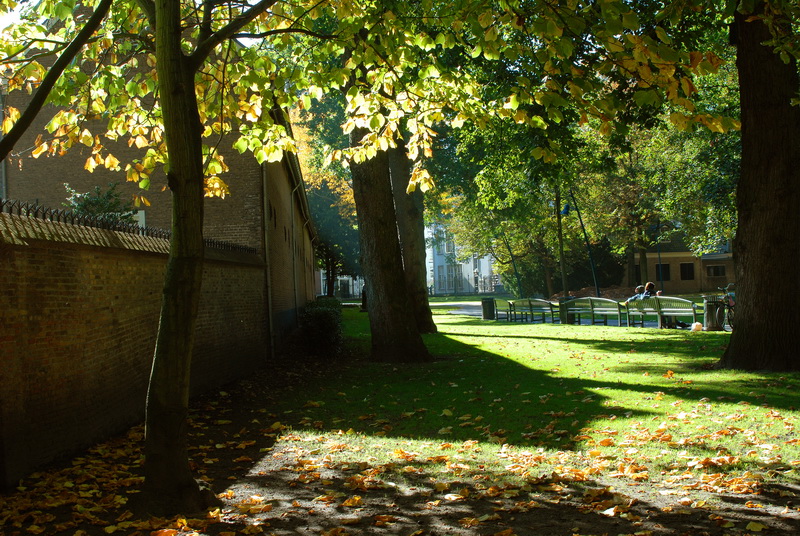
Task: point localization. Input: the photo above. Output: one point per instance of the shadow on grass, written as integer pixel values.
(246, 442)
(467, 394)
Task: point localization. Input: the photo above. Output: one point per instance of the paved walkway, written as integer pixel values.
(471, 308)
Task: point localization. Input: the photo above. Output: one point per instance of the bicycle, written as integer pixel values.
(725, 313)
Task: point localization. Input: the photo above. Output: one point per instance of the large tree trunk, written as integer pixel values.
(395, 336)
(169, 486)
(411, 229)
(766, 247)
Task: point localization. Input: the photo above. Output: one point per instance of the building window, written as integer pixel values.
(687, 271)
(441, 282)
(716, 271)
(454, 277)
(662, 272)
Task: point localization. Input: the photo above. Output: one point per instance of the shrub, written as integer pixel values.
(321, 327)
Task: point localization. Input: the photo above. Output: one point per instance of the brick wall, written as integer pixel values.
(78, 316)
(236, 219)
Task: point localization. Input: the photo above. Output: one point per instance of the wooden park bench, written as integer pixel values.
(597, 309)
(532, 308)
(664, 308)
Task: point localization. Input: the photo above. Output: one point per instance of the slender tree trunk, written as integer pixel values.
(548, 278)
(631, 277)
(395, 336)
(565, 288)
(169, 484)
(513, 265)
(766, 247)
(644, 274)
(331, 273)
(411, 229)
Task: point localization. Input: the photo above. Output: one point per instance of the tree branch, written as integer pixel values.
(205, 47)
(52, 76)
(283, 31)
(149, 8)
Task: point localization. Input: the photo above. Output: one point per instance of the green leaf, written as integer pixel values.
(630, 21)
(240, 145)
(648, 97)
(662, 35)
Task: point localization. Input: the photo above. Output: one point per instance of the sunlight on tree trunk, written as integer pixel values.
(411, 228)
(395, 336)
(169, 485)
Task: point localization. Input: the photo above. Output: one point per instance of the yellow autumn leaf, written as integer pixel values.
(111, 162)
(86, 138)
(469, 522)
(755, 526)
(90, 164)
(338, 531)
(39, 150)
(353, 501)
(383, 519)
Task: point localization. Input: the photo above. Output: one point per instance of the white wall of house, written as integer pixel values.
(449, 275)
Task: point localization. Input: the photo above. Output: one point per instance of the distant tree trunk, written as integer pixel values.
(766, 249)
(411, 229)
(548, 279)
(631, 277)
(169, 485)
(331, 273)
(644, 274)
(559, 228)
(395, 336)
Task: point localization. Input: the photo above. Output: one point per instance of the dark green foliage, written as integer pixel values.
(107, 204)
(321, 327)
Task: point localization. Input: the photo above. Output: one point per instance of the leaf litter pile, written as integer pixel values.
(535, 430)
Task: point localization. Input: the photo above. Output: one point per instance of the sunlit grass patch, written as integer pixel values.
(628, 405)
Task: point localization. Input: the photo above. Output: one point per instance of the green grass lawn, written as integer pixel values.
(631, 406)
(514, 430)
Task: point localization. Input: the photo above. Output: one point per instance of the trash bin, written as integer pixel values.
(711, 305)
(563, 317)
(487, 308)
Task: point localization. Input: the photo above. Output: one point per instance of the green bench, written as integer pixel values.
(664, 308)
(532, 308)
(597, 309)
